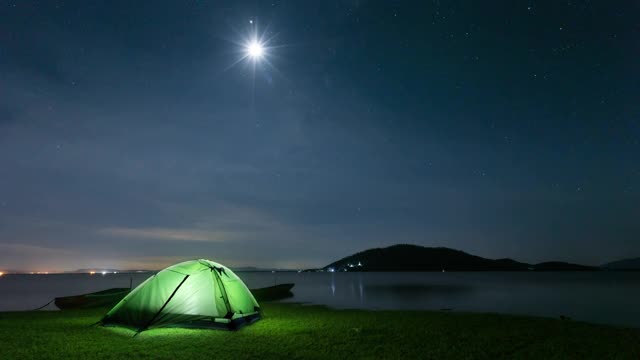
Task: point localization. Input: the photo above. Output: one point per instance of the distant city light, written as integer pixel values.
(331, 269)
(92, 272)
(104, 273)
(1, 273)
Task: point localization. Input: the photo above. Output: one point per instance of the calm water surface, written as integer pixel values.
(602, 297)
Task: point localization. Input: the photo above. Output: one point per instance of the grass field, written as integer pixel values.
(295, 331)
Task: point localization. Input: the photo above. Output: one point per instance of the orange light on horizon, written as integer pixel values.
(91, 272)
(1, 273)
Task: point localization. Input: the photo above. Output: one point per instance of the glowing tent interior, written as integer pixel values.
(196, 293)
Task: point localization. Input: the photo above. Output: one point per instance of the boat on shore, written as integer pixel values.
(272, 293)
(102, 298)
(110, 297)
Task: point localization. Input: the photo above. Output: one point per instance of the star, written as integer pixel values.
(255, 50)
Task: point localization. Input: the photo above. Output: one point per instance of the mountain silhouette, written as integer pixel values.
(625, 264)
(406, 257)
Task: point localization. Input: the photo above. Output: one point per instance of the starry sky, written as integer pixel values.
(131, 138)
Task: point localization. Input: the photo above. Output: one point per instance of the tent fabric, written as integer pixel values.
(196, 293)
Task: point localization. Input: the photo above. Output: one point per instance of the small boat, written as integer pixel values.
(271, 293)
(105, 298)
(111, 297)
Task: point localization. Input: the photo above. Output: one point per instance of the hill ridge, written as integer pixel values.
(410, 257)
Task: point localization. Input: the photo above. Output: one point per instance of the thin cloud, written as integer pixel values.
(165, 234)
(33, 249)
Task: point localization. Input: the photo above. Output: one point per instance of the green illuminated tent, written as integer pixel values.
(196, 293)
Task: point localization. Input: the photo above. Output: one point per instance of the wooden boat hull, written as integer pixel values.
(105, 298)
(111, 297)
(272, 293)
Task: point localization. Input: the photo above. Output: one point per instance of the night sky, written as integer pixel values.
(130, 139)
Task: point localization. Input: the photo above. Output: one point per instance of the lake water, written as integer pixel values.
(601, 297)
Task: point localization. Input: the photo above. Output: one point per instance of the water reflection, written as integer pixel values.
(333, 284)
(606, 297)
(361, 288)
(418, 289)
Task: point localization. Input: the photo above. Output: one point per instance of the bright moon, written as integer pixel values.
(255, 50)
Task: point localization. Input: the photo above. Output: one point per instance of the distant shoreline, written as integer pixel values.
(306, 271)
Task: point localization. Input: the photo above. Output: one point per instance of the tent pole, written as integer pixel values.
(162, 308)
(224, 292)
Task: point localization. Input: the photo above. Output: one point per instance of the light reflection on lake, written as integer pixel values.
(604, 297)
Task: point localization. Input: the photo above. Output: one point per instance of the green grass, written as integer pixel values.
(295, 331)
